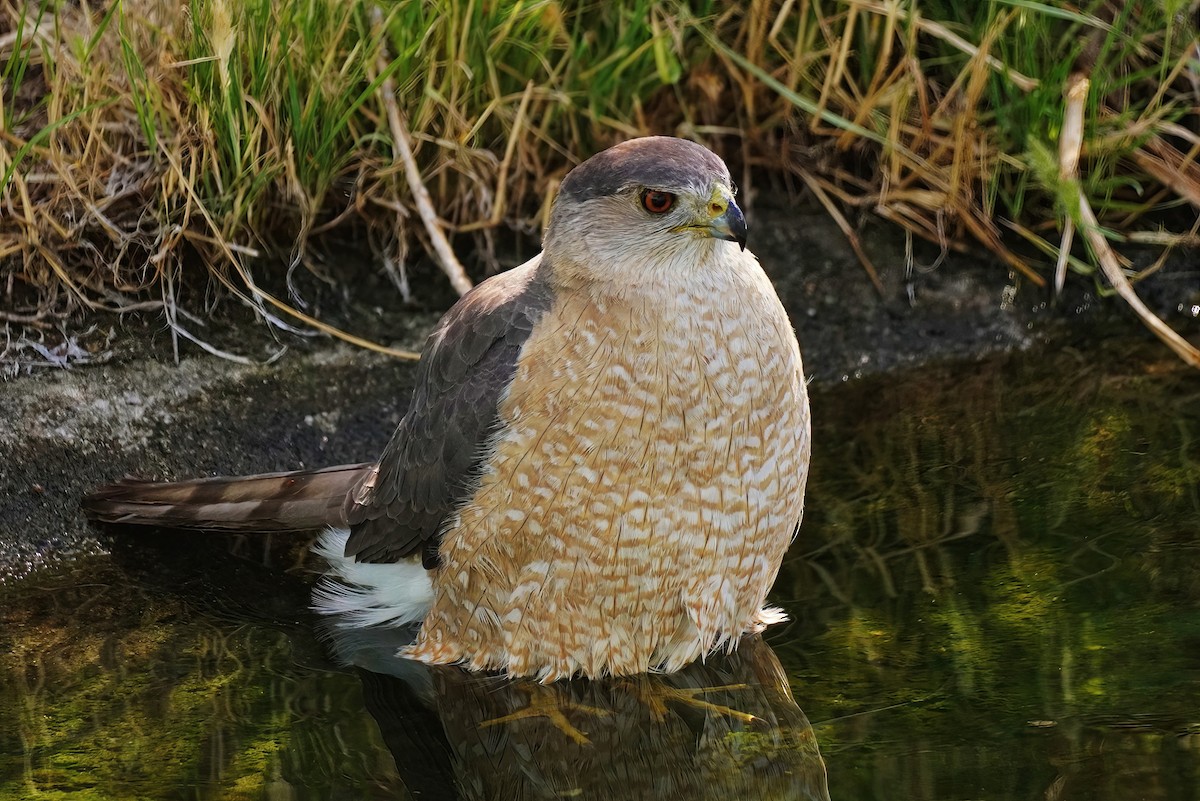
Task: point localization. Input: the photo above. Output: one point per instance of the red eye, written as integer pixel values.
(657, 202)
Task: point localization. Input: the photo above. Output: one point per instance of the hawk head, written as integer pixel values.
(648, 208)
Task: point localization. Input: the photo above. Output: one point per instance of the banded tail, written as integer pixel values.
(299, 500)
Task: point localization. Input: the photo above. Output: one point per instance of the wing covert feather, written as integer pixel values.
(432, 462)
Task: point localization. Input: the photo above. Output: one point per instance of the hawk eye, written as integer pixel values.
(657, 202)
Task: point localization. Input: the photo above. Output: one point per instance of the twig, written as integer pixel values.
(1070, 144)
(215, 351)
(844, 225)
(1077, 91)
(32, 320)
(1112, 270)
(445, 254)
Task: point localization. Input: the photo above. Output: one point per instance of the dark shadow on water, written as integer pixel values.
(728, 729)
(996, 594)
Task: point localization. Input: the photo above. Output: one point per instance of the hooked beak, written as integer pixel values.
(728, 224)
(720, 218)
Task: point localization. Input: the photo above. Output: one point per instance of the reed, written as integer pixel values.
(144, 139)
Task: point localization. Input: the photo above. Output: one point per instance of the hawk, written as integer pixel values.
(605, 455)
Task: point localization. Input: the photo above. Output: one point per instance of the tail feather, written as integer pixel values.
(294, 501)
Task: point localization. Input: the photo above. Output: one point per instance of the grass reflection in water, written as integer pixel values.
(996, 593)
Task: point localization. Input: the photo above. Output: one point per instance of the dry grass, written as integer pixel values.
(143, 137)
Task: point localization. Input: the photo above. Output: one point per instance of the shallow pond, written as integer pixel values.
(995, 594)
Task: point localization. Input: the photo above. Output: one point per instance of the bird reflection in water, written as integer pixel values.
(727, 728)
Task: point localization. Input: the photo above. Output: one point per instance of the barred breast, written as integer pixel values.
(642, 492)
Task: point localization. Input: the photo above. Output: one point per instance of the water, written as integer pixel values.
(996, 594)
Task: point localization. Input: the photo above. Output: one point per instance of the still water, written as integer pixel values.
(995, 594)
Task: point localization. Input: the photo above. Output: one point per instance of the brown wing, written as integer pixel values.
(432, 463)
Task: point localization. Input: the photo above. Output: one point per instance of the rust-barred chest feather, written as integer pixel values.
(639, 495)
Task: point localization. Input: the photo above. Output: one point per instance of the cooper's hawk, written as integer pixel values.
(605, 455)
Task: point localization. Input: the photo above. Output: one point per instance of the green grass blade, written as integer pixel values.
(44, 134)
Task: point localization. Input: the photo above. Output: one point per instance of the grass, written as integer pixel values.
(144, 137)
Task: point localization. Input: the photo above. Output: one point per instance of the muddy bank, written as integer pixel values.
(123, 407)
